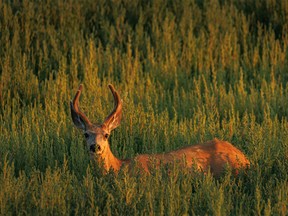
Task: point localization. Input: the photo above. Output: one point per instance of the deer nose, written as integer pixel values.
(93, 148)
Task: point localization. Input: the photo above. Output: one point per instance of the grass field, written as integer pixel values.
(187, 71)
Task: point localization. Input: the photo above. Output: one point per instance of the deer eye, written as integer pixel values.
(86, 135)
(106, 136)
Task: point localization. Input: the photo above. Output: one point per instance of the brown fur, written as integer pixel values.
(214, 155)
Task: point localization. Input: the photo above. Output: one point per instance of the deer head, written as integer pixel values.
(97, 135)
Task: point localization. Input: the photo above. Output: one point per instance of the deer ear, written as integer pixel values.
(114, 119)
(77, 120)
(114, 122)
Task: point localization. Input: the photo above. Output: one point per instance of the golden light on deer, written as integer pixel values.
(213, 155)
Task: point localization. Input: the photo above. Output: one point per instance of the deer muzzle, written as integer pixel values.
(95, 148)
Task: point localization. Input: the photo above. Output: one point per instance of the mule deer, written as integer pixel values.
(213, 155)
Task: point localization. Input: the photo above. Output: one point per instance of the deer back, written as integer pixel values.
(214, 155)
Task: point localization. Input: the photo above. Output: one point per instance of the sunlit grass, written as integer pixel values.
(187, 71)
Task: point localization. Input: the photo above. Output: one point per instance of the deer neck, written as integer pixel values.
(110, 161)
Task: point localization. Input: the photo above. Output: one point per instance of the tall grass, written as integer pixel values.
(187, 71)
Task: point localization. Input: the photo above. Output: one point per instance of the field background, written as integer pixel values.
(187, 71)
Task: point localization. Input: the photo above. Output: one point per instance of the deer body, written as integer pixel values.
(214, 155)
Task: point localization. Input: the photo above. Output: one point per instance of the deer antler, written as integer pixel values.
(113, 120)
(79, 118)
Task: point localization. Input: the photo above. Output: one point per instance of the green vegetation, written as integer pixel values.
(187, 71)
